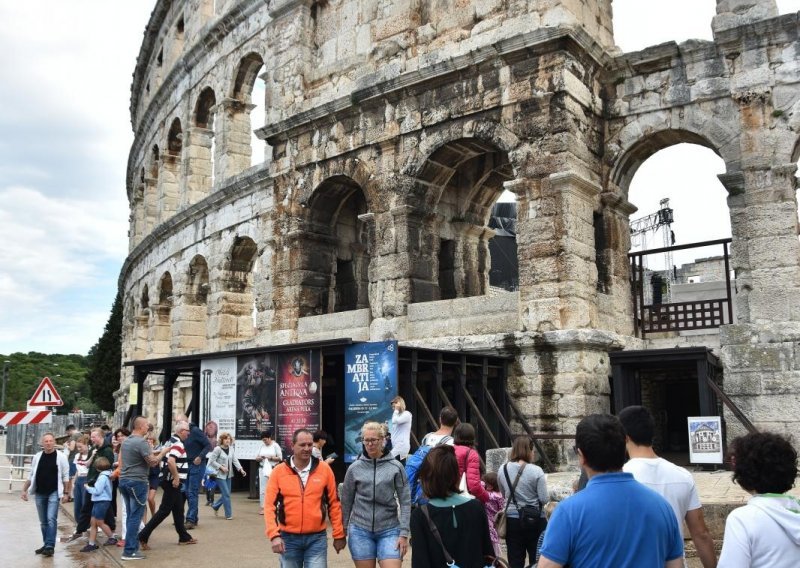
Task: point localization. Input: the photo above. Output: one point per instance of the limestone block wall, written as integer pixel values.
(392, 128)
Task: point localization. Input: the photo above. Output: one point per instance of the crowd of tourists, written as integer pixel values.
(438, 501)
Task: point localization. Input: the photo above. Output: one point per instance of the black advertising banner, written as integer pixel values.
(299, 395)
(256, 380)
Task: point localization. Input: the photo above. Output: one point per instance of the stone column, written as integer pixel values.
(232, 145)
(616, 305)
(168, 186)
(199, 168)
(735, 13)
(555, 247)
(150, 206)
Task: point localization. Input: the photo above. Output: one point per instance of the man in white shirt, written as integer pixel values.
(673, 483)
(448, 419)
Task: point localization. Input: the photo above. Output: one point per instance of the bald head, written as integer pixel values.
(140, 425)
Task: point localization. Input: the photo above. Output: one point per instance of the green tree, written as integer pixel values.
(105, 360)
(66, 372)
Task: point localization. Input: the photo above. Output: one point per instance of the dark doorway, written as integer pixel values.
(333, 409)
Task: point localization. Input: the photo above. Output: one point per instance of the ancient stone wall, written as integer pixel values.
(391, 129)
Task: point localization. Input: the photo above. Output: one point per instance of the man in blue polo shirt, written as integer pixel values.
(197, 446)
(616, 521)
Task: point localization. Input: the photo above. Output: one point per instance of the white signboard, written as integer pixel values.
(218, 387)
(705, 439)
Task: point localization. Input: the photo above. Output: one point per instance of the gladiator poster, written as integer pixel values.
(299, 395)
(370, 384)
(255, 401)
(218, 387)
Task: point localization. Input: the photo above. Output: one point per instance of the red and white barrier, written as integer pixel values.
(26, 417)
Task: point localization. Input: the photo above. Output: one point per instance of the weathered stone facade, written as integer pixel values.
(392, 126)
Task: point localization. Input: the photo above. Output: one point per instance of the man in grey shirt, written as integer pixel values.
(137, 458)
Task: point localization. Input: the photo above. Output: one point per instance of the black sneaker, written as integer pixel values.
(40, 550)
(48, 551)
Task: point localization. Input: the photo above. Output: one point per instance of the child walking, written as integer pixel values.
(495, 504)
(101, 501)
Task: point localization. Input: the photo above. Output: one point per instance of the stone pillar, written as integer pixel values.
(232, 145)
(168, 186)
(471, 272)
(160, 332)
(141, 335)
(555, 247)
(616, 305)
(735, 13)
(150, 206)
(199, 168)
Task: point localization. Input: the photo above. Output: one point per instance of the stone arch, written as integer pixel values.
(191, 316)
(640, 139)
(462, 180)
(239, 146)
(354, 169)
(335, 249)
(169, 180)
(201, 141)
(236, 295)
(162, 317)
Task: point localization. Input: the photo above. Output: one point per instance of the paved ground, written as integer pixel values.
(241, 541)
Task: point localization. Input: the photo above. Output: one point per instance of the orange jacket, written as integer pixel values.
(292, 508)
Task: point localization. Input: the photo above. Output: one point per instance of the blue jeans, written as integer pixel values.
(196, 473)
(134, 493)
(224, 496)
(305, 550)
(79, 495)
(47, 507)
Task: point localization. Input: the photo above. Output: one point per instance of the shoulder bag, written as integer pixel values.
(529, 515)
(501, 518)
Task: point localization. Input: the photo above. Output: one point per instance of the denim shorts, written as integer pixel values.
(99, 509)
(371, 545)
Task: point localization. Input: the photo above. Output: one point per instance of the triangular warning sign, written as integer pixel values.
(46, 395)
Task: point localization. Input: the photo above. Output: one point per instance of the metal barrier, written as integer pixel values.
(13, 468)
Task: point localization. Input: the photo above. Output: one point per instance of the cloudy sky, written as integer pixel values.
(65, 75)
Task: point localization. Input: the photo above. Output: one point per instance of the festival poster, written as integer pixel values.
(370, 384)
(299, 395)
(218, 387)
(256, 381)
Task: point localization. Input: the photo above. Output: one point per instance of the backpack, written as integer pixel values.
(413, 463)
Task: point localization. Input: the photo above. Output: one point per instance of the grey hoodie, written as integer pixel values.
(763, 533)
(371, 491)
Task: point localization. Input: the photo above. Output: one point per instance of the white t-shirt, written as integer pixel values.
(270, 454)
(433, 439)
(401, 433)
(765, 533)
(670, 481)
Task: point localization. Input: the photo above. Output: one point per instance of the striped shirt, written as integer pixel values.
(178, 452)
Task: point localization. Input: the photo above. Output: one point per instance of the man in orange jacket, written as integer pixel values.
(300, 492)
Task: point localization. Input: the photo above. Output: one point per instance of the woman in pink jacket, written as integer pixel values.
(469, 461)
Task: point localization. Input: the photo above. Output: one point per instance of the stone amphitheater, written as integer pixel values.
(388, 129)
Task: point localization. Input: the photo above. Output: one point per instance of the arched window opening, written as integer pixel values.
(246, 112)
(175, 138)
(236, 307)
(504, 271)
(142, 325)
(201, 157)
(468, 175)
(162, 320)
(336, 252)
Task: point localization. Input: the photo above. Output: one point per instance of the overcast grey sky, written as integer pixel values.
(65, 75)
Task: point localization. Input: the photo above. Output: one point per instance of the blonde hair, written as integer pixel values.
(549, 507)
(376, 426)
(400, 402)
(225, 436)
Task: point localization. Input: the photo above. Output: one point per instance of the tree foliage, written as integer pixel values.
(66, 372)
(105, 360)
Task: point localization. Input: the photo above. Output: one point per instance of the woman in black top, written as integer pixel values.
(461, 521)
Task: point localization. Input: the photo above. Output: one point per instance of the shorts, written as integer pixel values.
(152, 483)
(372, 545)
(99, 509)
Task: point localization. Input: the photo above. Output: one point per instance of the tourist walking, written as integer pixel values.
(459, 522)
(765, 533)
(448, 418)
(137, 458)
(673, 483)
(100, 448)
(101, 501)
(269, 455)
(524, 487)
(223, 460)
(469, 462)
(48, 482)
(305, 489)
(81, 468)
(176, 471)
(197, 446)
(400, 429)
(616, 521)
(376, 503)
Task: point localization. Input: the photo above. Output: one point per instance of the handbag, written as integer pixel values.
(501, 518)
(462, 485)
